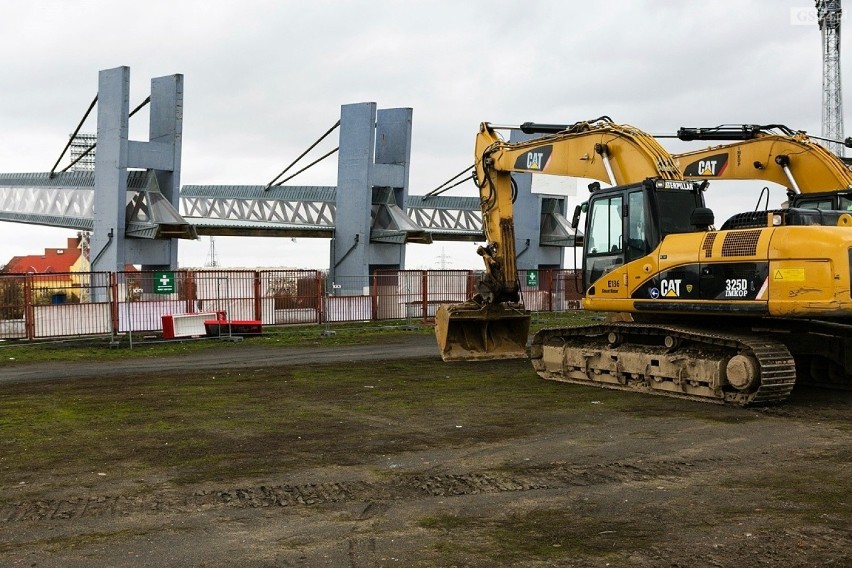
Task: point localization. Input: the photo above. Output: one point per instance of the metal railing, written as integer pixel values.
(37, 306)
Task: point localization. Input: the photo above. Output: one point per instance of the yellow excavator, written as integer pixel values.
(728, 316)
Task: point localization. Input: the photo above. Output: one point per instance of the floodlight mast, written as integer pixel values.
(829, 17)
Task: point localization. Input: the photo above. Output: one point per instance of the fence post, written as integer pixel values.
(189, 290)
(547, 276)
(112, 282)
(424, 294)
(373, 283)
(29, 309)
(258, 308)
(318, 297)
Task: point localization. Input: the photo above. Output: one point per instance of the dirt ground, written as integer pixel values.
(509, 470)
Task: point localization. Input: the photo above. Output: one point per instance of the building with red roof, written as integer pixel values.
(53, 261)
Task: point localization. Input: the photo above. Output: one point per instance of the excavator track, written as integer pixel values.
(683, 362)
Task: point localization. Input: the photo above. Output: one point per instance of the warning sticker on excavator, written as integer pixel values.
(789, 274)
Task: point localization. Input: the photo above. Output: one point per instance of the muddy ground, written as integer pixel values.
(385, 456)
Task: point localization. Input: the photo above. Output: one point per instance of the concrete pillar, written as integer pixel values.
(110, 250)
(375, 152)
(107, 241)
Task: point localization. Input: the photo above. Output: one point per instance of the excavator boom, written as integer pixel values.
(790, 159)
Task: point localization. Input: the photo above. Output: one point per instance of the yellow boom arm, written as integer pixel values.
(794, 161)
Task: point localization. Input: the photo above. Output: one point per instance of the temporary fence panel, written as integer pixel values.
(143, 298)
(449, 287)
(534, 290)
(13, 328)
(293, 296)
(74, 303)
(385, 289)
(233, 292)
(567, 290)
(13, 306)
(549, 290)
(147, 316)
(348, 308)
(348, 298)
(407, 294)
(71, 319)
(411, 294)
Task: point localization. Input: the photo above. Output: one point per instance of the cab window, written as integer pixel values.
(822, 204)
(637, 238)
(605, 230)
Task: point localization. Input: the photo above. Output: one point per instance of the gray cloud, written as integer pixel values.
(265, 78)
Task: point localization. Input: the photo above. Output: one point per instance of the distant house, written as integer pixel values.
(63, 275)
(53, 272)
(52, 266)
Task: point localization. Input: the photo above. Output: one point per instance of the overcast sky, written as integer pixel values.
(264, 79)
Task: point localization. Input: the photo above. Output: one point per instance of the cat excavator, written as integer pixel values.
(732, 316)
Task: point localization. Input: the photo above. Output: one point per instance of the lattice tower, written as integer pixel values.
(829, 15)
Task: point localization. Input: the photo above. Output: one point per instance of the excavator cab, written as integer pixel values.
(627, 223)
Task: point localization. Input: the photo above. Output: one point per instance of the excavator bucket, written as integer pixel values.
(473, 332)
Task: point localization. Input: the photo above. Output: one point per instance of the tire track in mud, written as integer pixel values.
(403, 487)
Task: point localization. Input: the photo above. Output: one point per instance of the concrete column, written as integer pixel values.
(375, 152)
(349, 258)
(166, 138)
(110, 250)
(393, 157)
(107, 243)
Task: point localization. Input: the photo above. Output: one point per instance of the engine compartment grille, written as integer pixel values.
(740, 243)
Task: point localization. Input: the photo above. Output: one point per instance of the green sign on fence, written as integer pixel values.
(532, 278)
(164, 282)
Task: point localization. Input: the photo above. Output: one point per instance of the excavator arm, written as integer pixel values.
(494, 324)
(788, 158)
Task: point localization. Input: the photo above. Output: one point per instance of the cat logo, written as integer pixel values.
(711, 166)
(670, 288)
(535, 160)
(707, 167)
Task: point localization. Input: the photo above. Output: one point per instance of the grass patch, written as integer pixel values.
(543, 535)
(100, 348)
(359, 333)
(817, 495)
(204, 426)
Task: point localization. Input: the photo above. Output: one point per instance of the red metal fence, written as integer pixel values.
(34, 306)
